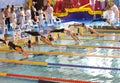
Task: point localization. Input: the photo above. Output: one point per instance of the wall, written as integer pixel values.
(3, 3)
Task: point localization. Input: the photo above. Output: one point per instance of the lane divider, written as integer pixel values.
(102, 30)
(69, 46)
(23, 62)
(82, 66)
(43, 78)
(79, 46)
(110, 47)
(55, 64)
(65, 53)
(101, 34)
(91, 39)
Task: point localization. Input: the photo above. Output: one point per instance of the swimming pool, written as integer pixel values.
(94, 59)
(94, 69)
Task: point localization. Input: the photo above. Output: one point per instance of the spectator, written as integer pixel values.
(49, 12)
(2, 20)
(7, 15)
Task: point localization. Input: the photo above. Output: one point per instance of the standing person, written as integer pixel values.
(49, 14)
(13, 19)
(109, 14)
(115, 9)
(21, 16)
(2, 20)
(13, 7)
(7, 15)
(33, 10)
(40, 12)
(28, 15)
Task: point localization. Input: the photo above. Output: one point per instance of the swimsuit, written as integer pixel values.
(12, 45)
(33, 33)
(3, 41)
(100, 19)
(57, 30)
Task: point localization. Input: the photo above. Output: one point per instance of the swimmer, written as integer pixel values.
(116, 11)
(108, 16)
(42, 38)
(15, 47)
(68, 31)
(92, 31)
(105, 20)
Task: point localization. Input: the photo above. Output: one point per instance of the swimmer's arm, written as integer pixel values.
(3, 41)
(94, 31)
(42, 36)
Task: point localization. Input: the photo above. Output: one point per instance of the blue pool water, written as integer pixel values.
(88, 74)
(110, 75)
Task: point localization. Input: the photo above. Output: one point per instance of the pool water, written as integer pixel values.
(108, 74)
(79, 73)
(15, 80)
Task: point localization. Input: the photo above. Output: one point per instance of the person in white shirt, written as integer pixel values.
(109, 14)
(49, 12)
(115, 9)
(40, 12)
(2, 20)
(21, 16)
(28, 15)
(13, 19)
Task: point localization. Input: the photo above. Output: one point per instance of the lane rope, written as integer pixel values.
(91, 39)
(102, 30)
(55, 64)
(42, 78)
(64, 53)
(78, 46)
(101, 34)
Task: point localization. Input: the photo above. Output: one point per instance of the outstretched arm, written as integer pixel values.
(93, 31)
(3, 41)
(46, 41)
